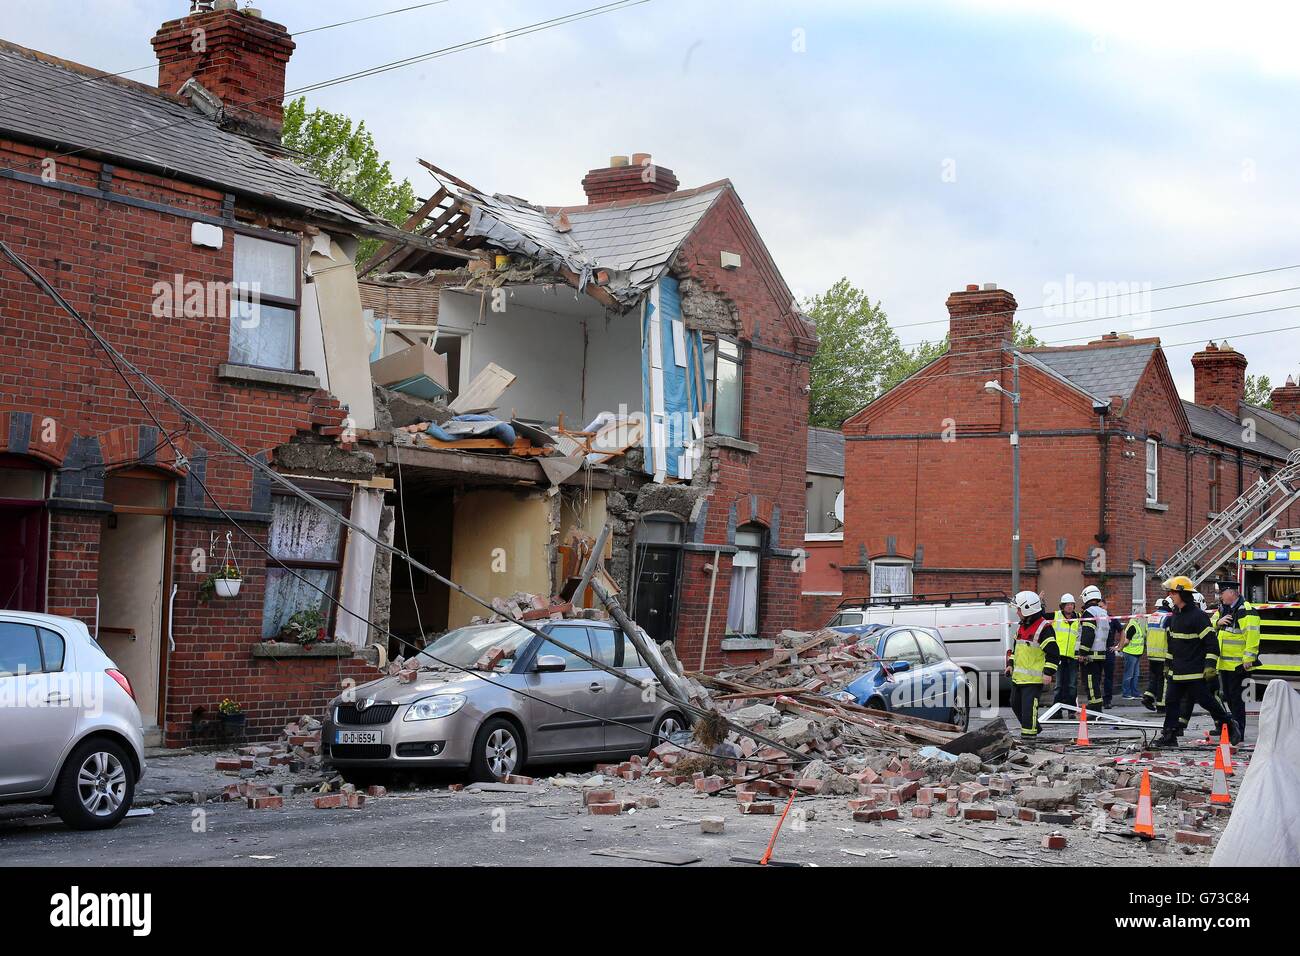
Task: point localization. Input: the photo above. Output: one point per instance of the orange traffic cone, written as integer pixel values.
(1220, 792)
(1225, 749)
(1082, 739)
(1145, 826)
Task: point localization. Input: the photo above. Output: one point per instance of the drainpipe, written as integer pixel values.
(1103, 437)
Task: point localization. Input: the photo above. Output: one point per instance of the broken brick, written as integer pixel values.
(265, 803)
(1193, 838)
(1054, 841)
(330, 801)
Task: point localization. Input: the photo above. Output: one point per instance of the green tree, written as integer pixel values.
(344, 155)
(1258, 390)
(859, 356)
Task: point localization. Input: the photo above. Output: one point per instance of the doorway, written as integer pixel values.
(658, 567)
(24, 523)
(134, 584)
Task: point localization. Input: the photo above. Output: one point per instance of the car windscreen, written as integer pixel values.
(476, 647)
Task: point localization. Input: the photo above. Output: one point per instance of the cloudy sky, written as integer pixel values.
(1062, 150)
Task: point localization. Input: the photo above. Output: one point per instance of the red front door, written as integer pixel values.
(22, 557)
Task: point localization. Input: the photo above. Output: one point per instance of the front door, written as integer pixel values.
(656, 590)
(22, 557)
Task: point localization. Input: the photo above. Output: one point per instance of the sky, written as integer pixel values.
(1063, 151)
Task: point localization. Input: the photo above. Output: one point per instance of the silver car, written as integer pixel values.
(539, 704)
(70, 732)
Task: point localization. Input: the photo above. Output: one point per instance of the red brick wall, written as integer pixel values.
(105, 257)
(774, 417)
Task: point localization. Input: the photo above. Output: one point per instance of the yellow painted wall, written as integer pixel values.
(484, 520)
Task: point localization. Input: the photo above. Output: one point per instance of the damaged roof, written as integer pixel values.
(51, 102)
(633, 240)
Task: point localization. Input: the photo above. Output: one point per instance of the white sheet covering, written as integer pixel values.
(358, 568)
(1264, 829)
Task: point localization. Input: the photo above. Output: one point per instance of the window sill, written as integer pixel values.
(1156, 506)
(278, 650)
(267, 376)
(735, 444)
(748, 644)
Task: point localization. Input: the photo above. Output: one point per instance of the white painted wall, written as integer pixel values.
(540, 338)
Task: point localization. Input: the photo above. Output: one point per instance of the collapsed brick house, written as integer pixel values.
(651, 306)
(173, 221)
(1117, 471)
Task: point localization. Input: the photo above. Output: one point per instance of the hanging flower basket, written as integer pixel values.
(227, 587)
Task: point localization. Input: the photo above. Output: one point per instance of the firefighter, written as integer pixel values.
(1237, 625)
(1131, 647)
(1090, 652)
(1066, 625)
(1193, 664)
(1033, 662)
(1157, 655)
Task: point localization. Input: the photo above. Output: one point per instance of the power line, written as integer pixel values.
(537, 27)
(154, 65)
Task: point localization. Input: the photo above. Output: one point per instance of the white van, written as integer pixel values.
(978, 628)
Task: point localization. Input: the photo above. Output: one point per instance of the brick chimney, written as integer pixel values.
(1286, 398)
(1220, 377)
(626, 178)
(236, 55)
(979, 326)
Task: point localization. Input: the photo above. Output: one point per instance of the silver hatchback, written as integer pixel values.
(528, 700)
(70, 732)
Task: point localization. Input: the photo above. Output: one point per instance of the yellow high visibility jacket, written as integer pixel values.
(1067, 633)
(1035, 654)
(1158, 638)
(1137, 635)
(1238, 640)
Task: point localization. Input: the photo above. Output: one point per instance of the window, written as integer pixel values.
(1153, 470)
(52, 649)
(932, 648)
(20, 653)
(264, 303)
(891, 578)
(575, 637)
(722, 367)
(604, 639)
(742, 607)
(311, 543)
(22, 484)
(1139, 587)
(822, 492)
(1214, 484)
(901, 646)
(846, 619)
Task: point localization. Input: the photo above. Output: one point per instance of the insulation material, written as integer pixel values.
(312, 345)
(346, 350)
(1262, 830)
(358, 568)
(672, 368)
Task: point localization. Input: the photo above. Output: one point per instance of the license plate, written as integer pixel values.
(356, 736)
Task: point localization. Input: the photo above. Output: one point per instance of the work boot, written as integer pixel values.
(1149, 700)
(1166, 739)
(1235, 734)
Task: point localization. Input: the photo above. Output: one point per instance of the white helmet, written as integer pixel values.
(1091, 593)
(1027, 602)
(1164, 604)
(1067, 599)
(1200, 599)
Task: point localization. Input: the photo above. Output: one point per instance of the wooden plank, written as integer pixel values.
(484, 390)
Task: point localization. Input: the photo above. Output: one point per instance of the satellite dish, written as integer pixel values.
(838, 510)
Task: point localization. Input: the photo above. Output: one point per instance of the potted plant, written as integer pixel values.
(224, 582)
(305, 627)
(232, 715)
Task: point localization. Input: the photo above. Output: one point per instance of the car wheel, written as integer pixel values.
(667, 725)
(498, 751)
(959, 716)
(95, 786)
(877, 703)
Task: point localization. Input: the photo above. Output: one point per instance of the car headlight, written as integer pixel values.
(444, 705)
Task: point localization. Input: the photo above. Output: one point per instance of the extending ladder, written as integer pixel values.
(1254, 513)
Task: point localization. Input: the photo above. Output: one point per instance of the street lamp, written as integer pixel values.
(995, 388)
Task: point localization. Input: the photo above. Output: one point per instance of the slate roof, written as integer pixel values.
(1102, 369)
(634, 240)
(54, 104)
(826, 451)
(1217, 425)
(1289, 425)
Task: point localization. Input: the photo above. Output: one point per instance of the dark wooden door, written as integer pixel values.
(22, 557)
(656, 590)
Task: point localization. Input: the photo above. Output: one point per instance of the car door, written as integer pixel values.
(568, 717)
(900, 645)
(937, 677)
(626, 702)
(38, 712)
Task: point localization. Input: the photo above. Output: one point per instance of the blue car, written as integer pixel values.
(912, 674)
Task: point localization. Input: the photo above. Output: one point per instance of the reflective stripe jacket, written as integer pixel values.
(1067, 633)
(1158, 637)
(1238, 638)
(1137, 635)
(1036, 652)
(1193, 646)
(1094, 632)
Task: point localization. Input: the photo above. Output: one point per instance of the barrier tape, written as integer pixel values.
(1014, 624)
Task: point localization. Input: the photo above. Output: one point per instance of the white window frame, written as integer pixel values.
(1139, 587)
(1153, 471)
(891, 563)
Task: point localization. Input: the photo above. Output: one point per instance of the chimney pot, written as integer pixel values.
(623, 180)
(1285, 399)
(617, 162)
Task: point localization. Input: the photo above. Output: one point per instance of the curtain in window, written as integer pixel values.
(742, 607)
(889, 579)
(299, 533)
